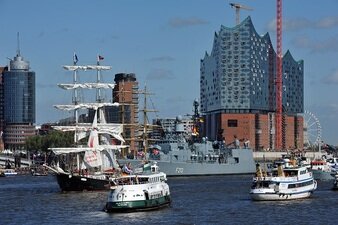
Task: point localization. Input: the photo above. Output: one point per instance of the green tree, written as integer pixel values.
(53, 139)
(33, 143)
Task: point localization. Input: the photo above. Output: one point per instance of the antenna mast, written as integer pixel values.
(18, 43)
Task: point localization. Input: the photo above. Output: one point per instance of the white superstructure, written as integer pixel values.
(293, 182)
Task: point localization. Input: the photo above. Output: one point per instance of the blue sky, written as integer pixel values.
(162, 42)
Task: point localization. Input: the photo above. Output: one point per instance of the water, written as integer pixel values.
(196, 200)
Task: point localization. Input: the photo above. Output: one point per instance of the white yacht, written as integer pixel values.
(291, 182)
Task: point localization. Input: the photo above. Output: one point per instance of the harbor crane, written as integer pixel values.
(238, 7)
(280, 140)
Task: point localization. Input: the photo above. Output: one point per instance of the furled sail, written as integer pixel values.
(87, 86)
(85, 106)
(89, 67)
(59, 151)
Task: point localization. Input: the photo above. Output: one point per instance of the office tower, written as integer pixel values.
(18, 102)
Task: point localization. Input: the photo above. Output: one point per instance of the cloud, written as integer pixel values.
(327, 22)
(331, 79)
(162, 59)
(176, 99)
(334, 108)
(329, 111)
(160, 74)
(186, 22)
(114, 37)
(62, 30)
(41, 34)
(289, 25)
(303, 23)
(329, 45)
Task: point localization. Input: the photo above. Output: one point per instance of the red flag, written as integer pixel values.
(99, 58)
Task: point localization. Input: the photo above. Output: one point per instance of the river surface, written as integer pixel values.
(26, 199)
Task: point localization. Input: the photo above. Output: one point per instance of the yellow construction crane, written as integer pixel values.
(238, 7)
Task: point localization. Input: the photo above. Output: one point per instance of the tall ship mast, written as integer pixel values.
(88, 166)
(146, 126)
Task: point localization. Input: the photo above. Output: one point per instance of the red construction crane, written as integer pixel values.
(238, 7)
(279, 81)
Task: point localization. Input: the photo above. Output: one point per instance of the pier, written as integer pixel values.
(271, 156)
(23, 161)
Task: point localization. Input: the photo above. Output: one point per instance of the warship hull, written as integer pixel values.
(242, 162)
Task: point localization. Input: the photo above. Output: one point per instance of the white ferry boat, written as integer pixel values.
(139, 192)
(292, 182)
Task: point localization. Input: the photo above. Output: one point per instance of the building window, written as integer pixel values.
(232, 123)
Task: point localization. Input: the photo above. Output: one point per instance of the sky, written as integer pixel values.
(162, 42)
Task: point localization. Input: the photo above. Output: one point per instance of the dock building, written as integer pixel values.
(237, 90)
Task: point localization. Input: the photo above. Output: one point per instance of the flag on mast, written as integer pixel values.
(99, 58)
(75, 59)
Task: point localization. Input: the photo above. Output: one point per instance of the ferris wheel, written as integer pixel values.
(312, 130)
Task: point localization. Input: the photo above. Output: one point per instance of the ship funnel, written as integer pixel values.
(258, 171)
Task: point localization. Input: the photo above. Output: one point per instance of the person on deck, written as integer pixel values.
(236, 142)
(127, 169)
(246, 143)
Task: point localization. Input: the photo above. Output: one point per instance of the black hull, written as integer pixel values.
(81, 183)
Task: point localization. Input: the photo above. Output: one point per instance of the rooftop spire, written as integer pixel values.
(18, 41)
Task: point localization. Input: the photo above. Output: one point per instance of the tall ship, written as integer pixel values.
(91, 162)
(181, 153)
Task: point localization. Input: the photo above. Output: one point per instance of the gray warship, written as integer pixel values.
(179, 153)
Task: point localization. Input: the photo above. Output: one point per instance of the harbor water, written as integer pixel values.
(25, 199)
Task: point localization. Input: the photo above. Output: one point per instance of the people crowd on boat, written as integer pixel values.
(8, 164)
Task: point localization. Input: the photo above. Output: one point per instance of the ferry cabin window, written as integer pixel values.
(300, 184)
(290, 173)
(232, 123)
(261, 184)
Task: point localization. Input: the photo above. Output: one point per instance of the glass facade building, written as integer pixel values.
(19, 92)
(238, 75)
(19, 97)
(19, 103)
